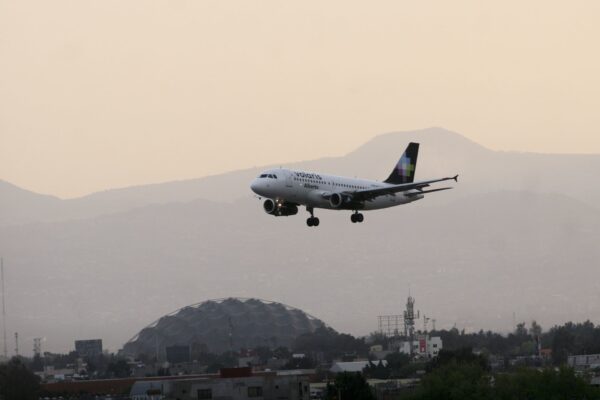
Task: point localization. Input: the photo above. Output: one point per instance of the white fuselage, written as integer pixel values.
(312, 189)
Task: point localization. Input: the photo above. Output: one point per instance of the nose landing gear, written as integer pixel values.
(356, 217)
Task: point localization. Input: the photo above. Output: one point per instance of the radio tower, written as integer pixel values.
(5, 349)
(409, 321)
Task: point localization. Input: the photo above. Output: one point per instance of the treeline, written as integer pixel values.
(463, 375)
(564, 340)
(460, 374)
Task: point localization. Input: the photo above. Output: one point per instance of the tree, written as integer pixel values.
(282, 352)
(37, 364)
(376, 370)
(532, 384)
(17, 382)
(454, 380)
(535, 329)
(461, 356)
(520, 330)
(398, 364)
(463, 376)
(349, 386)
(263, 353)
(118, 369)
(330, 343)
(562, 345)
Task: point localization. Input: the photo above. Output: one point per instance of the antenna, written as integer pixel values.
(37, 346)
(3, 309)
(17, 344)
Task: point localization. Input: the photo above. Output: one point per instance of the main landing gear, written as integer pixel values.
(312, 221)
(356, 217)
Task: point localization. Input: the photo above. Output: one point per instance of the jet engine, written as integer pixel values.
(337, 200)
(279, 209)
(269, 206)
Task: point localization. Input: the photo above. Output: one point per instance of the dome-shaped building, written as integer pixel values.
(220, 325)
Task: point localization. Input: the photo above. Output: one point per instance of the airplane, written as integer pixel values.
(286, 189)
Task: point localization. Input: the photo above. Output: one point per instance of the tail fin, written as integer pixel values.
(404, 171)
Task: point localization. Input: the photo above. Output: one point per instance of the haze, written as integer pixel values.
(104, 94)
(508, 244)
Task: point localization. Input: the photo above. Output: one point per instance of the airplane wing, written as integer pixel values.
(370, 194)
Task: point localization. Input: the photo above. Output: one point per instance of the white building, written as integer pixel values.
(352, 366)
(584, 362)
(424, 346)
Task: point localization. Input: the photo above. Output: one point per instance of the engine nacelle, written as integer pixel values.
(337, 200)
(269, 206)
(279, 209)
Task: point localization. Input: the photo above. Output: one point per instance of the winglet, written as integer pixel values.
(455, 177)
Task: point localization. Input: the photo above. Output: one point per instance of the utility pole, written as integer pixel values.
(17, 344)
(230, 335)
(5, 349)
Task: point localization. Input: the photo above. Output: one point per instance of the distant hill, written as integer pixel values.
(470, 261)
(442, 153)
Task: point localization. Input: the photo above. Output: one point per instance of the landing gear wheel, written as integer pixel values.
(312, 221)
(357, 217)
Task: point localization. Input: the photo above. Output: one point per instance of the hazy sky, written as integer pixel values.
(102, 94)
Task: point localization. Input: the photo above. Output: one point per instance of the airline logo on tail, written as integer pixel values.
(405, 167)
(404, 171)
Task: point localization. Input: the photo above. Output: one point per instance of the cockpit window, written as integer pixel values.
(263, 176)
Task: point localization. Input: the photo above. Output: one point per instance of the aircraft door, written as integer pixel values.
(289, 185)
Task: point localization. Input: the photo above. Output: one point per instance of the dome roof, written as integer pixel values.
(220, 325)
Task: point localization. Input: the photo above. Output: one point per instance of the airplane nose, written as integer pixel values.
(254, 186)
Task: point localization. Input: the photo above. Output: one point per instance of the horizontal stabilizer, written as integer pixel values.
(427, 191)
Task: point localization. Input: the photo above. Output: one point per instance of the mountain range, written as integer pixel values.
(515, 240)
